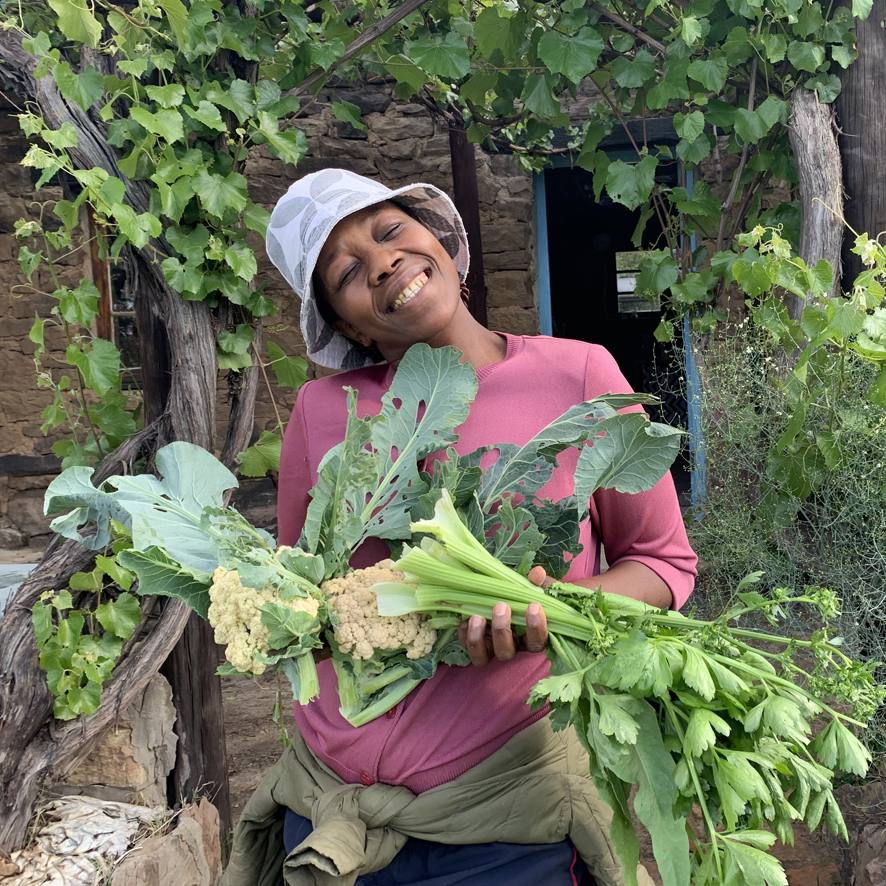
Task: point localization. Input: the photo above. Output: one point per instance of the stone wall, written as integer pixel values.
(402, 144)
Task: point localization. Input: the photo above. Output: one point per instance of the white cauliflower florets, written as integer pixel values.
(235, 613)
(361, 630)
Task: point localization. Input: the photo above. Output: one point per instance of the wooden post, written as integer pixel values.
(467, 202)
(813, 136)
(201, 766)
(861, 109)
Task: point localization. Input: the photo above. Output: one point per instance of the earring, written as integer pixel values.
(465, 292)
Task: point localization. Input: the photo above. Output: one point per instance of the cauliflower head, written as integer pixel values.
(361, 631)
(235, 613)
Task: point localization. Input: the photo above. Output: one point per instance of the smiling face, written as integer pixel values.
(390, 281)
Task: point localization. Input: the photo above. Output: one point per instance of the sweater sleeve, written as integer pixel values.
(646, 526)
(295, 480)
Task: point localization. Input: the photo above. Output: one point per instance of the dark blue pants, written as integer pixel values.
(422, 863)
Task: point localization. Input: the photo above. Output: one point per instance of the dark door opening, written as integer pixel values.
(589, 249)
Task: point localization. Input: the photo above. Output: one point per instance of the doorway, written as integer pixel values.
(591, 258)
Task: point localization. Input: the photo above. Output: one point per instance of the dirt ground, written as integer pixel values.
(252, 738)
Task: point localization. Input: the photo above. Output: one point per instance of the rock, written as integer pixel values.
(506, 261)
(134, 758)
(518, 321)
(367, 100)
(814, 875)
(177, 859)
(400, 150)
(509, 288)
(25, 510)
(869, 857)
(11, 536)
(206, 816)
(396, 128)
(347, 130)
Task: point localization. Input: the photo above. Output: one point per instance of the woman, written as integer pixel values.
(378, 271)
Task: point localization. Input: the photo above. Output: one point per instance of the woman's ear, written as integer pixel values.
(351, 332)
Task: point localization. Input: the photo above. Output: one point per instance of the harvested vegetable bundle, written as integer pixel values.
(274, 607)
(687, 710)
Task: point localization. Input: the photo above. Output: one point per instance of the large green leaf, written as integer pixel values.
(85, 88)
(497, 29)
(527, 469)
(538, 95)
(632, 457)
(376, 465)
(631, 183)
(76, 21)
(291, 372)
(806, 56)
(165, 123)
(263, 456)
(218, 193)
(573, 55)
(99, 363)
(237, 96)
(648, 765)
(711, 72)
(164, 513)
(632, 73)
(442, 58)
(177, 15)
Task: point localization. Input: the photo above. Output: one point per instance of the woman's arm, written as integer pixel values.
(631, 578)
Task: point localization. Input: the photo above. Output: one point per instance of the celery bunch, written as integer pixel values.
(694, 713)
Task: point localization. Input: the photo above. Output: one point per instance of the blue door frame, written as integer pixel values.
(546, 325)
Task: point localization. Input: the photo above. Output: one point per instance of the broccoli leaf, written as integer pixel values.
(368, 484)
(632, 456)
(163, 513)
(559, 523)
(516, 537)
(159, 574)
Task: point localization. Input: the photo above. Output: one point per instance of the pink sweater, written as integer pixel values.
(461, 716)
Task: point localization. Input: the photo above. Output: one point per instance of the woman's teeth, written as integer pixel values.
(410, 291)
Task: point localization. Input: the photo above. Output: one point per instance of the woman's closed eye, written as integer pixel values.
(391, 231)
(347, 276)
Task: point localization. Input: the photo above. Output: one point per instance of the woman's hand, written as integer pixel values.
(499, 640)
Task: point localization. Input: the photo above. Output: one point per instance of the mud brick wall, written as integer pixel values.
(25, 453)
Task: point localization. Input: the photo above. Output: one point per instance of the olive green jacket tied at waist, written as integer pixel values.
(536, 789)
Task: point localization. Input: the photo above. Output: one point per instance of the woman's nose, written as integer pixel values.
(386, 263)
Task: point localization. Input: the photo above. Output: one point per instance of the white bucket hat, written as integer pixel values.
(311, 208)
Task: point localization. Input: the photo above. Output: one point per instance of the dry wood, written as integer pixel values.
(861, 109)
(813, 138)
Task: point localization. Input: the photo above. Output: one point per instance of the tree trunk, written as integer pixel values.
(32, 750)
(813, 137)
(861, 110)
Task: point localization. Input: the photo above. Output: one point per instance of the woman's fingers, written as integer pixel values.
(504, 644)
(498, 640)
(475, 638)
(536, 637)
(537, 576)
